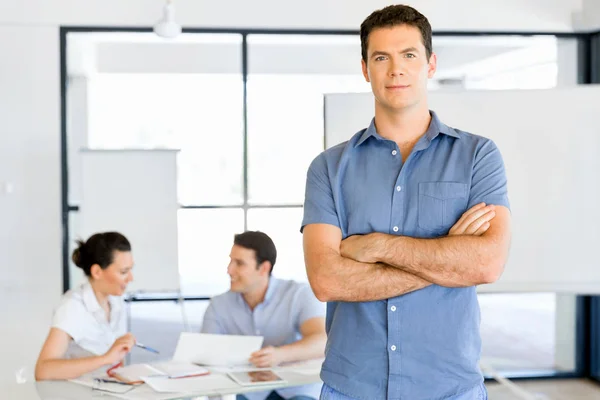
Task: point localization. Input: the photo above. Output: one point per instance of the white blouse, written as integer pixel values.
(81, 317)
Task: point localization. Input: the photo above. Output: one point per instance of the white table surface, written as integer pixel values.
(65, 390)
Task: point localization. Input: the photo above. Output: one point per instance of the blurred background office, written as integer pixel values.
(239, 94)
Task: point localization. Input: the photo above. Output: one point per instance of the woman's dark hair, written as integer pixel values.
(99, 249)
(261, 243)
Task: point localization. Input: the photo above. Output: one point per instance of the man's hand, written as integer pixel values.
(267, 357)
(360, 247)
(475, 221)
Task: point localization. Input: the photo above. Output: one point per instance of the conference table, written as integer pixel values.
(66, 390)
(294, 375)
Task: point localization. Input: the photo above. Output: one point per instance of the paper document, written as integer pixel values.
(167, 369)
(216, 350)
(96, 384)
(191, 385)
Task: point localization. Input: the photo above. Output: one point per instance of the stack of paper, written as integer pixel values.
(193, 350)
(170, 369)
(191, 385)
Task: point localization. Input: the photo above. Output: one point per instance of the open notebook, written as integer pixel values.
(171, 369)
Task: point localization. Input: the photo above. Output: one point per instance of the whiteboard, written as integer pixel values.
(550, 141)
(134, 192)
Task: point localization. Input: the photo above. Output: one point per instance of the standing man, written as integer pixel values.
(381, 238)
(286, 313)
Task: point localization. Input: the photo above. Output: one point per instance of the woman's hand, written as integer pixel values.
(120, 348)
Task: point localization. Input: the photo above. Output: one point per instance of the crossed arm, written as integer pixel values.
(379, 266)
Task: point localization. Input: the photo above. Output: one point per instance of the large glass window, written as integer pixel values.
(189, 94)
(283, 226)
(201, 114)
(519, 332)
(496, 63)
(288, 76)
(205, 239)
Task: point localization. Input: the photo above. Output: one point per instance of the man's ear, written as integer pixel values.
(432, 66)
(265, 268)
(365, 70)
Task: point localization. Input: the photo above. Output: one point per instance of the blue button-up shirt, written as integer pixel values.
(287, 305)
(426, 344)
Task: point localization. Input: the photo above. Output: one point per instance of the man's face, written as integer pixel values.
(244, 271)
(397, 67)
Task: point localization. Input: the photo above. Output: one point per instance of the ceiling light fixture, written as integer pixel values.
(166, 27)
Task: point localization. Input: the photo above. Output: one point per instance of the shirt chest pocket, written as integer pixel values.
(440, 205)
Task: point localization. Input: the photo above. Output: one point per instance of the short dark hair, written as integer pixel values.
(99, 249)
(261, 243)
(394, 15)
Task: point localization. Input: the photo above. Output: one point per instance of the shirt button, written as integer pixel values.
(398, 188)
(395, 229)
(393, 308)
(394, 152)
(393, 348)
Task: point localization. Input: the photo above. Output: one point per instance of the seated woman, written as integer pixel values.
(89, 327)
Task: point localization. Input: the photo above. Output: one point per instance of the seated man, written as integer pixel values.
(286, 313)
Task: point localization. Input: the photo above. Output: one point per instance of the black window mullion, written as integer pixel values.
(245, 119)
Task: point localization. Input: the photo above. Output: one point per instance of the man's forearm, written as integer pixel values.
(453, 261)
(343, 279)
(307, 348)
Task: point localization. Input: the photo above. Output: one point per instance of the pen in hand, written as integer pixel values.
(150, 349)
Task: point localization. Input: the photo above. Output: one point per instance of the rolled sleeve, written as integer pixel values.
(211, 323)
(489, 182)
(319, 205)
(67, 318)
(310, 306)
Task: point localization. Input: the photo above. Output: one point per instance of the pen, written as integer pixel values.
(150, 349)
(111, 381)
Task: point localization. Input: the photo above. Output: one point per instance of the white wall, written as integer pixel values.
(552, 15)
(589, 19)
(29, 156)
(30, 237)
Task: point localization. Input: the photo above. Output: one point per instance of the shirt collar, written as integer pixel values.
(435, 128)
(273, 282)
(91, 302)
(89, 298)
